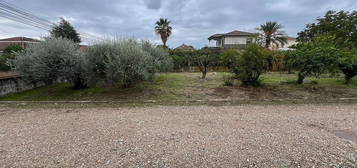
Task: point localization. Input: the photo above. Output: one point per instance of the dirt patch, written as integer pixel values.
(225, 92)
(347, 135)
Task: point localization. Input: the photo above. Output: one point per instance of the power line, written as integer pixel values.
(16, 14)
(14, 18)
(24, 12)
(11, 14)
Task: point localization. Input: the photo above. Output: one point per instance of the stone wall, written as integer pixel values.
(14, 84)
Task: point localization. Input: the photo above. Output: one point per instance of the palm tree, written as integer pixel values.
(271, 33)
(163, 29)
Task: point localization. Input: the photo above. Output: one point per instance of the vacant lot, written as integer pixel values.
(171, 88)
(194, 136)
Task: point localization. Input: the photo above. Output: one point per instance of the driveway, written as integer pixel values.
(192, 136)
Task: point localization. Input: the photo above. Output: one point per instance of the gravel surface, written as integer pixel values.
(194, 136)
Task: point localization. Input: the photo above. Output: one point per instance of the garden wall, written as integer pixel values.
(14, 84)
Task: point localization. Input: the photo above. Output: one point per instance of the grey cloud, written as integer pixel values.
(193, 20)
(153, 4)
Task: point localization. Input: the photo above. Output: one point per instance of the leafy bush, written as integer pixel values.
(249, 64)
(252, 63)
(125, 62)
(181, 59)
(8, 55)
(348, 64)
(315, 57)
(228, 79)
(161, 61)
(51, 61)
(230, 59)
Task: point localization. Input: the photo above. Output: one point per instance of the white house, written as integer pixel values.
(240, 39)
(234, 39)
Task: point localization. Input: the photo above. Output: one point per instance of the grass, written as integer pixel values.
(169, 88)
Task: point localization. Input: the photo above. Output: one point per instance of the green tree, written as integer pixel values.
(65, 30)
(341, 25)
(315, 57)
(271, 33)
(163, 29)
(203, 59)
(348, 64)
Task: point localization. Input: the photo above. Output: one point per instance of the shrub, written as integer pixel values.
(315, 57)
(51, 61)
(125, 62)
(252, 63)
(161, 61)
(228, 79)
(8, 55)
(230, 59)
(181, 59)
(249, 64)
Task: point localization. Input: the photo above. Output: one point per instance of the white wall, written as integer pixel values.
(290, 43)
(235, 40)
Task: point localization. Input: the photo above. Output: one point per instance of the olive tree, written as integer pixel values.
(203, 59)
(125, 62)
(51, 61)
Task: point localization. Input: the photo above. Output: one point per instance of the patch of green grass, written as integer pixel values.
(276, 78)
(167, 88)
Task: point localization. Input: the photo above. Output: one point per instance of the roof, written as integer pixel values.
(239, 33)
(185, 47)
(290, 38)
(19, 39)
(233, 33)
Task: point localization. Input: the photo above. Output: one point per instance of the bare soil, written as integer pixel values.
(187, 136)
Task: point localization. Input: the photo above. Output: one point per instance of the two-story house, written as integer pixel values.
(234, 39)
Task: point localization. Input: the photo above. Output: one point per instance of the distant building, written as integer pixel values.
(20, 41)
(83, 47)
(290, 42)
(234, 39)
(184, 47)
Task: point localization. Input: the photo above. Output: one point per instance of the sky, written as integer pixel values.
(193, 21)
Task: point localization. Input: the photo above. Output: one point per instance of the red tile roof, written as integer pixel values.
(19, 39)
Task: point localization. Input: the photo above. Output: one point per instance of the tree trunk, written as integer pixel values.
(204, 74)
(267, 43)
(300, 79)
(164, 39)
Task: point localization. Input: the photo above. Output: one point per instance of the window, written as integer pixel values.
(249, 40)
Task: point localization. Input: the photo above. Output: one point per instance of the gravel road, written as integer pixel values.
(192, 136)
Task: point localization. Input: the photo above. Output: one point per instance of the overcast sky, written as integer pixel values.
(193, 21)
